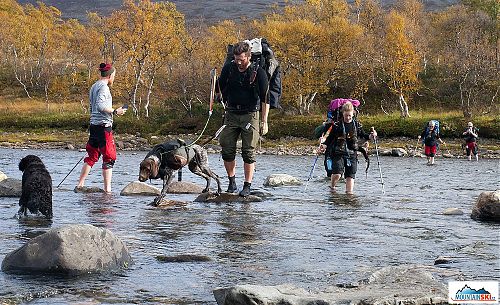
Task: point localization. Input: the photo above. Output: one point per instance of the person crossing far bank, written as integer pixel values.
(244, 87)
(470, 135)
(101, 140)
(340, 146)
(430, 137)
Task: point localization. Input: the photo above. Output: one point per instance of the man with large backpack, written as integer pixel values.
(244, 88)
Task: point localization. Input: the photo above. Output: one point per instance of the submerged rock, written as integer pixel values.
(389, 285)
(183, 258)
(139, 189)
(487, 207)
(10, 187)
(443, 260)
(281, 180)
(72, 249)
(453, 211)
(88, 189)
(226, 197)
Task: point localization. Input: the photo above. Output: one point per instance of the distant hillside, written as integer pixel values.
(212, 11)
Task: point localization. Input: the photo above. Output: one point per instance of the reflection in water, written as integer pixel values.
(344, 199)
(102, 208)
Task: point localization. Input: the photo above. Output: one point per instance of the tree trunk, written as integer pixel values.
(465, 101)
(405, 113)
(148, 95)
(138, 75)
(16, 74)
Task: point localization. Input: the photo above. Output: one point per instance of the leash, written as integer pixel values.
(213, 80)
(71, 171)
(378, 163)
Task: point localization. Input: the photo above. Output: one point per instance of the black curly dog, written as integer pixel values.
(165, 159)
(36, 193)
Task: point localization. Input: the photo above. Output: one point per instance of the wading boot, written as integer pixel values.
(232, 188)
(246, 189)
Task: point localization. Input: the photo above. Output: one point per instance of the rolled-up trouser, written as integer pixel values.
(245, 125)
(101, 142)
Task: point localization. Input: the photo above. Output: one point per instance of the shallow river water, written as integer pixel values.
(306, 237)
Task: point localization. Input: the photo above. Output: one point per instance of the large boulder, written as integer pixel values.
(72, 249)
(281, 180)
(181, 187)
(2, 176)
(389, 285)
(11, 187)
(140, 189)
(487, 207)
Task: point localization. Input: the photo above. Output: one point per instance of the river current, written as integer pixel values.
(307, 237)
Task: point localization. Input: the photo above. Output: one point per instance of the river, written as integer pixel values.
(307, 237)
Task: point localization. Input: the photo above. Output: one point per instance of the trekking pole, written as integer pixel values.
(378, 163)
(312, 170)
(71, 171)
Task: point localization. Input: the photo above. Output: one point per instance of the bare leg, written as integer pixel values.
(431, 159)
(83, 175)
(106, 175)
(249, 169)
(230, 167)
(349, 185)
(334, 179)
(477, 157)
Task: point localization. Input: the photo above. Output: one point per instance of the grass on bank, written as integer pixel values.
(52, 120)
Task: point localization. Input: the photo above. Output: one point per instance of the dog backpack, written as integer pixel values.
(263, 56)
(427, 129)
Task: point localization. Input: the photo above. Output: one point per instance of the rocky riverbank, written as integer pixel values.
(398, 147)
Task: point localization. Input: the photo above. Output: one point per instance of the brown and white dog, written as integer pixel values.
(167, 158)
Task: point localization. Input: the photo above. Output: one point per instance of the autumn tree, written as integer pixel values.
(315, 43)
(205, 50)
(468, 55)
(148, 35)
(401, 61)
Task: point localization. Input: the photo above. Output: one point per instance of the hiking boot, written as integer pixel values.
(246, 189)
(232, 188)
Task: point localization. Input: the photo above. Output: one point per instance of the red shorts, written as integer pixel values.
(430, 151)
(101, 142)
(471, 148)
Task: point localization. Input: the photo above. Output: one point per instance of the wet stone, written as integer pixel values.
(226, 197)
(10, 187)
(137, 188)
(453, 211)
